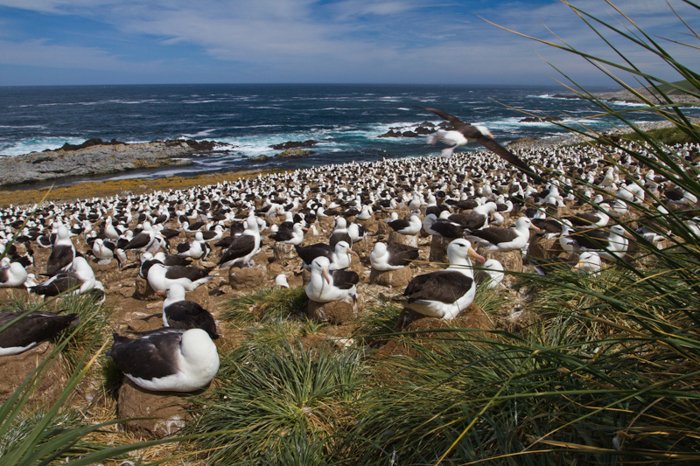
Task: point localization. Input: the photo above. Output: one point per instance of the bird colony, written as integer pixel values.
(423, 231)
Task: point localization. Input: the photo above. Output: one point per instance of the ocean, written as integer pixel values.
(345, 120)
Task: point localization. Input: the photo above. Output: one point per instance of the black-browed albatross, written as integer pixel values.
(482, 136)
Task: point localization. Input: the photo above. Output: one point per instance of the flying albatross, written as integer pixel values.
(464, 133)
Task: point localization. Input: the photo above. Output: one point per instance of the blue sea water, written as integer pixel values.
(346, 120)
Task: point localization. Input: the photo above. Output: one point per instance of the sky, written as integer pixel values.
(56, 42)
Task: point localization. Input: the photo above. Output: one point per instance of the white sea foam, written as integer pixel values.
(199, 134)
(619, 103)
(201, 101)
(38, 144)
(515, 123)
(552, 96)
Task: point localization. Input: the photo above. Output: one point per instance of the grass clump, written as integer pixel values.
(670, 135)
(267, 305)
(278, 404)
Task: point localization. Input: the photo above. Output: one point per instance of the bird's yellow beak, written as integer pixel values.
(476, 256)
(326, 275)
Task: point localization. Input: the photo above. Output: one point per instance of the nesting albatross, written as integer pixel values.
(445, 293)
(19, 333)
(167, 359)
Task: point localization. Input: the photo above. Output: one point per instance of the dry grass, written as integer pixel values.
(89, 189)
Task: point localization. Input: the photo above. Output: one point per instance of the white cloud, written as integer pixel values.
(41, 53)
(379, 40)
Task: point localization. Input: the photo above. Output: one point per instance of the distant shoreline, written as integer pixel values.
(85, 187)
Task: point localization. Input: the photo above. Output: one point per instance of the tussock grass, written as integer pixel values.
(277, 404)
(670, 135)
(267, 305)
(379, 323)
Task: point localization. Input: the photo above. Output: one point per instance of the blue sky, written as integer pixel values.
(346, 41)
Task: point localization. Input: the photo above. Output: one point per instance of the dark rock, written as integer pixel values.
(566, 96)
(294, 144)
(424, 130)
(89, 143)
(203, 146)
(293, 153)
(392, 133)
(537, 119)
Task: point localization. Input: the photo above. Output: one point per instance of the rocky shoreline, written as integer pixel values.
(625, 96)
(96, 157)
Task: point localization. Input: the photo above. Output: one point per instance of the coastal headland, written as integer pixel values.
(96, 157)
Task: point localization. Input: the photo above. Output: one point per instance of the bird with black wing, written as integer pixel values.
(464, 133)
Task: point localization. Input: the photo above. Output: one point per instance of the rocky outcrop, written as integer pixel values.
(294, 153)
(421, 129)
(97, 157)
(539, 119)
(294, 149)
(294, 145)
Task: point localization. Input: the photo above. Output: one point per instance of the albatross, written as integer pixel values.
(19, 332)
(168, 359)
(445, 293)
(464, 133)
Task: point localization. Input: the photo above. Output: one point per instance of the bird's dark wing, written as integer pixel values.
(240, 247)
(345, 279)
(443, 286)
(507, 155)
(60, 283)
(338, 237)
(60, 257)
(495, 235)
(583, 218)
(309, 253)
(399, 224)
(401, 254)
(180, 271)
(469, 221)
(549, 225)
(148, 357)
(456, 122)
(591, 238)
(139, 241)
(471, 132)
(35, 327)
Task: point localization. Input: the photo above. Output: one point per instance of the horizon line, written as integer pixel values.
(477, 85)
